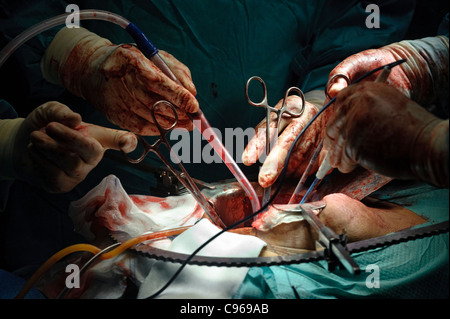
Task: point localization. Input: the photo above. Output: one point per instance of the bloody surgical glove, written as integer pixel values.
(288, 131)
(119, 80)
(423, 77)
(53, 149)
(379, 128)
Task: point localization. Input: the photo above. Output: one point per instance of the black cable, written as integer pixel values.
(277, 190)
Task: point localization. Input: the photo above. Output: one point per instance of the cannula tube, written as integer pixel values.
(201, 123)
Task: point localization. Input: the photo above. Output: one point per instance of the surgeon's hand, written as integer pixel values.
(55, 150)
(423, 77)
(288, 131)
(119, 80)
(379, 128)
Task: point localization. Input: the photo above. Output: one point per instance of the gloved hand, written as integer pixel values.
(423, 77)
(119, 80)
(53, 149)
(380, 129)
(288, 131)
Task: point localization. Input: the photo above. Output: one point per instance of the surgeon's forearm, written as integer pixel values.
(61, 53)
(8, 129)
(426, 67)
(430, 154)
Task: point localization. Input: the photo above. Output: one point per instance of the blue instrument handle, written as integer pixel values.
(142, 42)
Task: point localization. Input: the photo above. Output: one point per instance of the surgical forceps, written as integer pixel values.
(311, 163)
(183, 177)
(325, 165)
(279, 112)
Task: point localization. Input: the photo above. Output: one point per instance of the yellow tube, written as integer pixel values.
(95, 250)
(51, 261)
(136, 240)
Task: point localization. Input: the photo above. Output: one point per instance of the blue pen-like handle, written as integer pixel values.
(149, 50)
(142, 42)
(322, 171)
(310, 189)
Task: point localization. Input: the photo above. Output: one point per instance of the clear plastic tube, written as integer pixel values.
(201, 123)
(42, 26)
(92, 14)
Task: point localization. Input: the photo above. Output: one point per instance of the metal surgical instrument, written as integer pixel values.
(271, 138)
(325, 166)
(151, 52)
(183, 177)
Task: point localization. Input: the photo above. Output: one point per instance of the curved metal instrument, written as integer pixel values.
(271, 138)
(183, 177)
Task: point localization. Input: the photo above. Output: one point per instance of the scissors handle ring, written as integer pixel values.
(283, 107)
(332, 79)
(147, 149)
(164, 130)
(263, 102)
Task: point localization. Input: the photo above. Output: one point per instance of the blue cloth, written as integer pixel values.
(11, 284)
(414, 269)
(7, 111)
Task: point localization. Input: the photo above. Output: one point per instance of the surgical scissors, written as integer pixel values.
(183, 177)
(271, 140)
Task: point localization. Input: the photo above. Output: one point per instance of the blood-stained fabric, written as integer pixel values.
(108, 206)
